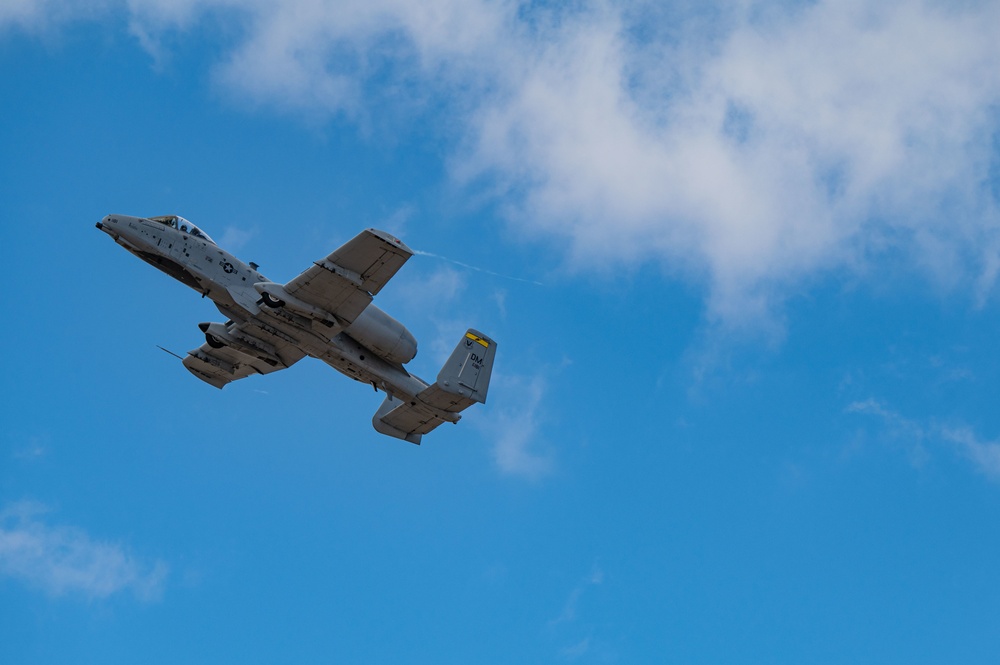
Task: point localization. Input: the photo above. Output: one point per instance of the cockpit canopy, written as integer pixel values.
(182, 225)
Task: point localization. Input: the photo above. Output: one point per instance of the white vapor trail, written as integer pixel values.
(484, 270)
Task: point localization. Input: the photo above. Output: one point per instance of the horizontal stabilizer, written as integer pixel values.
(403, 420)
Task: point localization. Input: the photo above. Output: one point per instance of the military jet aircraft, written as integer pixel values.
(326, 312)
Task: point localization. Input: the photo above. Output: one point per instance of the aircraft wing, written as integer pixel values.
(344, 282)
(245, 350)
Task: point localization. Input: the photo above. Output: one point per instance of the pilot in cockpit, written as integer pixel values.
(182, 225)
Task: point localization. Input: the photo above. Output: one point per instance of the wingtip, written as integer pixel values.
(391, 239)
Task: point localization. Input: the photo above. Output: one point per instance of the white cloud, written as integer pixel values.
(33, 448)
(568, 616)
(794, 145)
(594, 578)
(235, 238)
(500, 298)
(985, 455)
(898, 425)
(32, 452)
(41, 16)
(518, 448)
(430, 297)
(746, 146)
(909, 434)
(62, 560)
(397, 221)
(432, 290)
(577, 650)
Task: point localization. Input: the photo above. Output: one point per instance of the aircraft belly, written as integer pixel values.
(172, 268)
(347, 368)
(276, 326)
(340, 353)
(364, 367)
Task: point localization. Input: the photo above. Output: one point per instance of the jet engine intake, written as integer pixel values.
(219, 335)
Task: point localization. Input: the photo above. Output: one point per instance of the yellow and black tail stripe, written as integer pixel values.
(479, 340)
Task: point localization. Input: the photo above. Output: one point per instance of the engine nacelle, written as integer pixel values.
(219, 335)
(379, 332)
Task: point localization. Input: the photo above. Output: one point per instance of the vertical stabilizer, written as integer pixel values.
(468, 370)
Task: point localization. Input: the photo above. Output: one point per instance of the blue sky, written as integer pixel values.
(740, 259)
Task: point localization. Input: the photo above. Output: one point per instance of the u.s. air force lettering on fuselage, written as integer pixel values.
(326, 312)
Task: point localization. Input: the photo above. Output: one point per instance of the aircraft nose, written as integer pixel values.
(107, 224)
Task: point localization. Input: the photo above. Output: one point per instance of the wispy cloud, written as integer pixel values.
(235, 238)
(916, 435)
(397, 221)
(898, 425)
(984, 454)
(515, 428)
(908, 433)
(430, 291)
(577, 650)
(594, 578)
(43, 16)
(431, 296)
(570, 610)
(64, 560)
(31, 449)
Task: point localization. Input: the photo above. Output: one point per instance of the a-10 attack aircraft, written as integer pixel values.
(326, 312)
